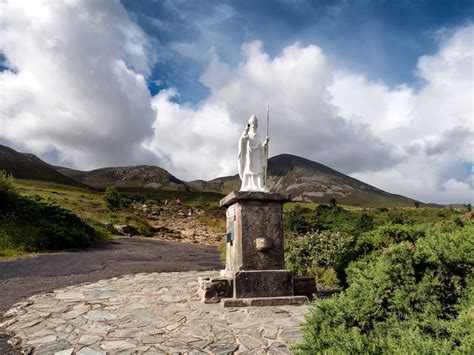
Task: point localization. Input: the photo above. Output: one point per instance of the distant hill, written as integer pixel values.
(307, 180)
(304, 179)
(129, 176)
(29, 166)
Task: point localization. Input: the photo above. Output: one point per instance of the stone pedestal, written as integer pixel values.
(255, 251)
(254, 231)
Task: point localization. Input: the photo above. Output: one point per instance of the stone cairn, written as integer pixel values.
(255, 274)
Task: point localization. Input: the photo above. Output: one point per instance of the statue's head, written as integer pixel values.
(253, 122)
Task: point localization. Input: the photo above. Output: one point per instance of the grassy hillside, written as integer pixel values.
(89, 206)
(222, 185)
(30, 223)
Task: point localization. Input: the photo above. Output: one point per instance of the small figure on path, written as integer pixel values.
(178, 201)
(190, 212)
(253, 158)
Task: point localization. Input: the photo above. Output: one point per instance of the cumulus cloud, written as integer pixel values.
(76, 85)
(196, 142)
(76, 91)
(303, 119)
(432, 124)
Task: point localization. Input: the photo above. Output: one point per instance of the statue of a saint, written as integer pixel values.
(252, 158)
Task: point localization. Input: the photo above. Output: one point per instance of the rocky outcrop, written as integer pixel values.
(179, 223)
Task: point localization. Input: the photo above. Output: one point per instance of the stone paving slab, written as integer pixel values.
(156, 313)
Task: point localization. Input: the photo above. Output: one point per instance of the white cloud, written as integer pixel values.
(77, 87)
(303, 120)
(195, 142)
(433, 124)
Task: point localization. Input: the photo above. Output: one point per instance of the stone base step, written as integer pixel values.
(265, 301)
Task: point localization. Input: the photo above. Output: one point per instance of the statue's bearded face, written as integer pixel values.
(254, 125)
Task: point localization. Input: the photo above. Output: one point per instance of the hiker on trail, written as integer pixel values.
(178, 201)
(190, 212)
(166, 201)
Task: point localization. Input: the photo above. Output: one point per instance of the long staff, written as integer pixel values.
(266, 147)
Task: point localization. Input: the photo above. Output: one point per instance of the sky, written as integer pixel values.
(380, 90)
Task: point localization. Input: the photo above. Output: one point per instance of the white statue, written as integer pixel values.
(253, 156)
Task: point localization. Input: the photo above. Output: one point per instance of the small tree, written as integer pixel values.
(332, 203)
(7, 186)
(112, 198)
(417, 204)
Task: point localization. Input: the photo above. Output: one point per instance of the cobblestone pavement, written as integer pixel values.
(148, 313)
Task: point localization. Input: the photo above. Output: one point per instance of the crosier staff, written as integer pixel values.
(266, 147)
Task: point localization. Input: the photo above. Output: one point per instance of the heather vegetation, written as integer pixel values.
(30, 223)
(406, 275)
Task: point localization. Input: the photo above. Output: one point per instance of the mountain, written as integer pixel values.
(29, 166)
(307, 180)
(129, 176)
(304, 179)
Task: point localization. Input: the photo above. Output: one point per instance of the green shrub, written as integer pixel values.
(34, 225)
(416, 295)
(385, 236)
(333, 218)
(458, 221)
(112, 198)
(315, 252)
(364, 223)
(115, 201)
(7, 187)
(445, 226)
(395, 216)
(295, 221)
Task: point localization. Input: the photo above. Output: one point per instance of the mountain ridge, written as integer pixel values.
(309, 181)
(304, 179)
(149, 176)
(29, 166)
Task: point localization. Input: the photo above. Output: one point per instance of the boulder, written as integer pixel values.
(123, 229)
(126, 229)
(211, 290)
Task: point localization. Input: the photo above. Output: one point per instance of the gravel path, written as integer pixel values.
(149, 313)
(24, 277)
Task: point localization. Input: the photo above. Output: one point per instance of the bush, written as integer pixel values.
(364, 223)
(7, 187)
(112, 198)
(114, 201)
(415, 295)
(34, 225)
(314, 253)
(295, 220)
(385, 236)
(334, 218)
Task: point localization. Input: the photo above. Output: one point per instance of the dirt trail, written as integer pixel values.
(176, 223)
